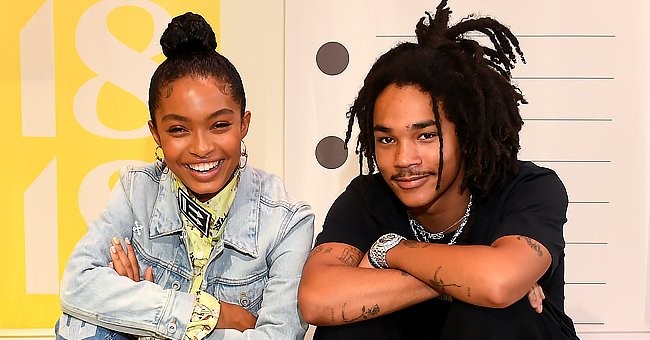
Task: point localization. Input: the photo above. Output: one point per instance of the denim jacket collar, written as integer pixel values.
(241, 229)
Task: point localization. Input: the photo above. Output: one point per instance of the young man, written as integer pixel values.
(447, 239)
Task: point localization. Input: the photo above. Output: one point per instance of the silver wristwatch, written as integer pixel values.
(377, 253)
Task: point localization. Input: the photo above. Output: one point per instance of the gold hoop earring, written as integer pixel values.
(158, 158)
(244, 156)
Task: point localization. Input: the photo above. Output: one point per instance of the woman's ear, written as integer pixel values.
(245, 123)
(154, 132)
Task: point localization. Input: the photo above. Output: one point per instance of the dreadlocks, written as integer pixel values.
(469, 82)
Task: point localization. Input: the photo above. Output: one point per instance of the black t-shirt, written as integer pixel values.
(532, 203)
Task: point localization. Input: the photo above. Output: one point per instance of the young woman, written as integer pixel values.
(220, 244)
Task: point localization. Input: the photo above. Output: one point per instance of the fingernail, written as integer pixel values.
(126, 239)
(113, 250)
(116, 241)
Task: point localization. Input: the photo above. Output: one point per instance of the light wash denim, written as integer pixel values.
(256, 265)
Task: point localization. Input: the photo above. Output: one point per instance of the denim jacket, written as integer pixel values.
(257, 264)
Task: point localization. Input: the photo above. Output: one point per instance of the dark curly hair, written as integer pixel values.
(472, 84)
(189, 43)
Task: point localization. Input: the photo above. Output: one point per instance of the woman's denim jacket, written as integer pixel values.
(257, 264)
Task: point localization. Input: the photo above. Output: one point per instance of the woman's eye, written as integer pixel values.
(175, 130)
(221, 125)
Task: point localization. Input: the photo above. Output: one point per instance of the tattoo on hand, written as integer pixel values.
(533, 245)
(469, 292)
(366, 313)
(350, 256)
(438, 284)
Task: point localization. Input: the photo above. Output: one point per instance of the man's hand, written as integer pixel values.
(536, 297)
(235, 317)
(125, 263)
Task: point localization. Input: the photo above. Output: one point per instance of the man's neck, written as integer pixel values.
(442, 213)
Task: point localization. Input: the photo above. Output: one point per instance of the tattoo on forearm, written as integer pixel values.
(322, 248)
(366, 313)
(350, 256)
(439, 285)
(533, 245)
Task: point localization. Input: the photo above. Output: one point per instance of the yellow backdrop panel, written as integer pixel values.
(73, 90)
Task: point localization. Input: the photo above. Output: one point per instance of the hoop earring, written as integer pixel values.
(158, 158)
(244, 156)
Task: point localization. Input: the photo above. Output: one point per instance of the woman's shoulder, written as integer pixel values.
(268, 188)
(263, 183)
(142, 174)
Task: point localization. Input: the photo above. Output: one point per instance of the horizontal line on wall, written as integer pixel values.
(563, 78)
(588, 202)
(545, 35)
(571, 161)
(396, 36)
(587, 243)
(566, 35)
(586, 283)
(569, 119)
(599, 323)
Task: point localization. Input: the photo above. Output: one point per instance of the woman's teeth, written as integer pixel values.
(203, 167)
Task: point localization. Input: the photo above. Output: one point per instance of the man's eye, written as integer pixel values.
(428, 135)
(385, 140)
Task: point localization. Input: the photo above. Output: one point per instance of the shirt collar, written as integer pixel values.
(242, 224)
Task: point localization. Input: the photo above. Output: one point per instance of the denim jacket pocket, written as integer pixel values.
(243, 292)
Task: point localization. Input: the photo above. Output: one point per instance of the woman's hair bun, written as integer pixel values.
(187, 33)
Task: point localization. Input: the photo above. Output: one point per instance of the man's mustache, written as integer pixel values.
(412, 173)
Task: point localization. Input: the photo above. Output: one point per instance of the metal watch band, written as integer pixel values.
(378, 250)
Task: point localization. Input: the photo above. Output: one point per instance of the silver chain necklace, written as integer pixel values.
(424, 235)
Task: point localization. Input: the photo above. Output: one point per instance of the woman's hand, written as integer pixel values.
(125, 263)
(235, 317)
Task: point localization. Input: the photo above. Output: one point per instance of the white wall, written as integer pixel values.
(588, 118)
(252, 37)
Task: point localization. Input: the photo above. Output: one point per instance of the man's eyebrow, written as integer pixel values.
(421, 125)
(415, 126)
(381, 128)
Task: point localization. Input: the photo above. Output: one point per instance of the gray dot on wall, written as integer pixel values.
(331, 152)
(332, 58)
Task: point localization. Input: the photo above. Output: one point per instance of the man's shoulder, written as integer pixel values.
(531, 181)
(528, 168)
(530, 177)
(368, 183)
(371, 193)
